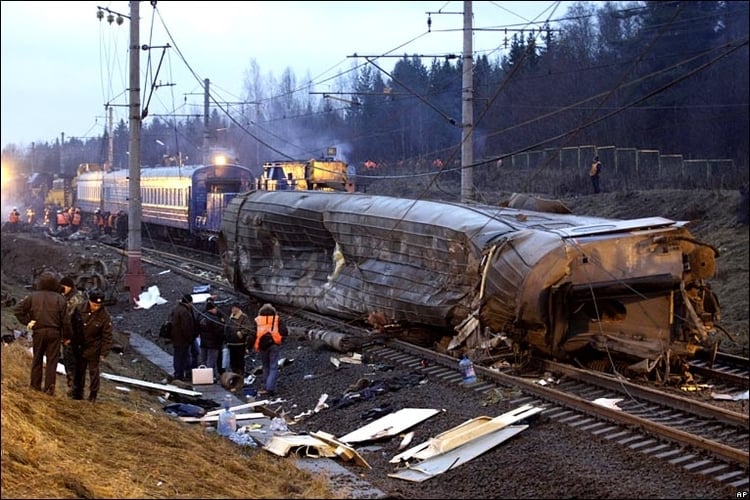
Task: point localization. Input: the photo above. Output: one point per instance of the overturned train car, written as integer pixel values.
(488, 276)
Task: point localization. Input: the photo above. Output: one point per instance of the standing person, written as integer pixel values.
(74, 299)
(76, 219)
(594, 172)
(121, 225)
(183, 336)
(212, 336)
(269, 333)
(14, 220)
(95, 343)
(238, 332)
(44, 312)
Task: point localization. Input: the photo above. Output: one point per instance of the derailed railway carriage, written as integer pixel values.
(571, 287)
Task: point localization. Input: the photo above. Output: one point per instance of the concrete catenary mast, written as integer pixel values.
(135, 278)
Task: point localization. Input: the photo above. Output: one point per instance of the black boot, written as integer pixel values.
(92, 397)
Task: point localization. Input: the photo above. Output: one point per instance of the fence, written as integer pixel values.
(565, 171)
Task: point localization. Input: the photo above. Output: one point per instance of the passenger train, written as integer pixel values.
(183, 202)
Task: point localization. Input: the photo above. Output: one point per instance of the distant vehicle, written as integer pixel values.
(325, 174)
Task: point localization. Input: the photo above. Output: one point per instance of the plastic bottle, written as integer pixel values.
(227, 423)
(467, 370)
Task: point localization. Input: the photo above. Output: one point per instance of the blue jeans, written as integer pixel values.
(270, 360)
(209, 357)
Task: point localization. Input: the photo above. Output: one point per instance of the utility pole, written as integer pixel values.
(135, 279)
(62, 159)
(206, 153)
(111, 148)
(467, 110)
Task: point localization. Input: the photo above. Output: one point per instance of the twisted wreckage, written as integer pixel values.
(487, 276)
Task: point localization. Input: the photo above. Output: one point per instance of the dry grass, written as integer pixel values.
(125, 446)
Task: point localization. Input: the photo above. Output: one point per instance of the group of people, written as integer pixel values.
(199, 338)
(101, 223)
(64, 321)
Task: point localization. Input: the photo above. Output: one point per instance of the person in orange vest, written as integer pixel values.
(62, 220)
(110, 227)
(14, 219)
(269, 334)
(76, 219)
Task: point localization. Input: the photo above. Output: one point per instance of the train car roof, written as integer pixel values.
(164, 171)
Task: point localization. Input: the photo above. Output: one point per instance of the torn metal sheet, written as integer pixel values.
(215, 418)
(406, 440)
(438, 464)
(389, 425)
(302, 445)
(465, 432)
(237, 408)
(342, 450)
(559, 283)
(608, 402)
(150, 385)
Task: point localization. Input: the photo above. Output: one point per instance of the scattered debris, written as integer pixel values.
(143, 383)
(608, 402)
(406, 440)
(742, 396)
(471, 429)
(149, 298)
(389, 425)
(461, 444)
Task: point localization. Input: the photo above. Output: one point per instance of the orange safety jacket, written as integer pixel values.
(77, 219)
(266, 324)
(15, 217)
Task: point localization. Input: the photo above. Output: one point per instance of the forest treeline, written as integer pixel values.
(663, 75)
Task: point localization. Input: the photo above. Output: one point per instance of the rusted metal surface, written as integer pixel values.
(483, 274)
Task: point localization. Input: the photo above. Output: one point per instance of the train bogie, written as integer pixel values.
(558, 284)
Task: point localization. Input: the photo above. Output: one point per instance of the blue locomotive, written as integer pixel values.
(177, 201)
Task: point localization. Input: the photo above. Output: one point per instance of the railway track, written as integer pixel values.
(732, 371)
(701, 438)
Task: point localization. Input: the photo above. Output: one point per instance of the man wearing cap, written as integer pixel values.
(184, 333)
(74, 299)
(96, 338)
(237, 334)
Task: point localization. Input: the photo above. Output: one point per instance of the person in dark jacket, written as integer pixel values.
(44, 313)
(212, 326)
(95, 340)
(239, 327)
(74, 298)
(184, 333)
(267, 338)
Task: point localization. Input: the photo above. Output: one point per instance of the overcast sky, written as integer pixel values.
(61, 65)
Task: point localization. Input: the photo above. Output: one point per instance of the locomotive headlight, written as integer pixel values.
(220, 160)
